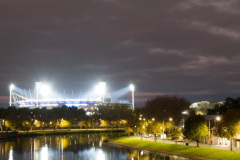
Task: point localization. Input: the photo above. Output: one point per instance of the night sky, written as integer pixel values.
(189, 48)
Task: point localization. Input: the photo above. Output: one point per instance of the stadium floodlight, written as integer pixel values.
(101, 89)
(45, 90)
(38, 85)
(132, 88)
(11, 87)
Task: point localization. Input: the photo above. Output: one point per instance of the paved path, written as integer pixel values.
(190, 144)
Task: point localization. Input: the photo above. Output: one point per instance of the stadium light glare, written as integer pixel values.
(101, 89)
(131, 87)
(45, 90)
(11, 87)
(38, 85)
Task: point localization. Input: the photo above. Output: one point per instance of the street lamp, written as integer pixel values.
(11, 87)
(132, 89)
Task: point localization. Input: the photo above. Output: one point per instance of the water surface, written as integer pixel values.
(73, 147)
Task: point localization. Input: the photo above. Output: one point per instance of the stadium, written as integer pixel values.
(42, 96)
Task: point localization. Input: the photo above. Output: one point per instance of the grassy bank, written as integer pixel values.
(189, 151)
(61, 132)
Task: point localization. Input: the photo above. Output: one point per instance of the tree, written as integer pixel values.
(221, 108)
(175, 133)
(154, 128)
(229, 125)
(195, 128)
(133, 122)
(114, 113)
(165, 106)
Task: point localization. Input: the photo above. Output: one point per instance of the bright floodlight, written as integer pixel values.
(38, 85)
(101, 89)
(132, 87)
(218, 118)
(11, 87)
(45, 89)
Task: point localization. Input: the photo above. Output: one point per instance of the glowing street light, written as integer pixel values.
(218, 118)
(132, 88)
(11, 87)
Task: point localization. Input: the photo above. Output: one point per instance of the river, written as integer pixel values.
(73, 147)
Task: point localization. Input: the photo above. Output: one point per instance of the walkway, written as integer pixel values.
(190, 144)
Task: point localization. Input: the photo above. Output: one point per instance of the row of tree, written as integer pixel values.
(25, 118)
(111, 115)
(151, 119)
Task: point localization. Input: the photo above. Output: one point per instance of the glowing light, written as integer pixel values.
(45, 89)
(170, 119)
(11, 87)
(218, 118)
(101, 89)
(131, 87)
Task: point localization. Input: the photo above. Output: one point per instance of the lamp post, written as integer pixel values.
(132, 89)
(163, 123)
(209, 129)
(170, 119)
(10, 97)
(218, 119)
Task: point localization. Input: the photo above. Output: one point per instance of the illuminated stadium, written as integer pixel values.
(42, 96)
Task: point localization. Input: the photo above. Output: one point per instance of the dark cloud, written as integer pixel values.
(190, 48)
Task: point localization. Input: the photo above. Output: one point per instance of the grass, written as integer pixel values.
(203, 152)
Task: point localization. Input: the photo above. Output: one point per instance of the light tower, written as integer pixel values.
(102, 90)
(11, 87)
(38, 85)
(132, 89)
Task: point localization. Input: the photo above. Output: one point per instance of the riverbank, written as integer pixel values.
(180, 150)
(62, 132)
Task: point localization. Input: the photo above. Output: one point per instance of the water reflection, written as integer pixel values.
(71, 147)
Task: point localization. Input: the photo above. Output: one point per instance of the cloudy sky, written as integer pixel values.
(190, 48)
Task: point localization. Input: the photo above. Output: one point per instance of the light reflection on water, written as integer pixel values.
(72, 147)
